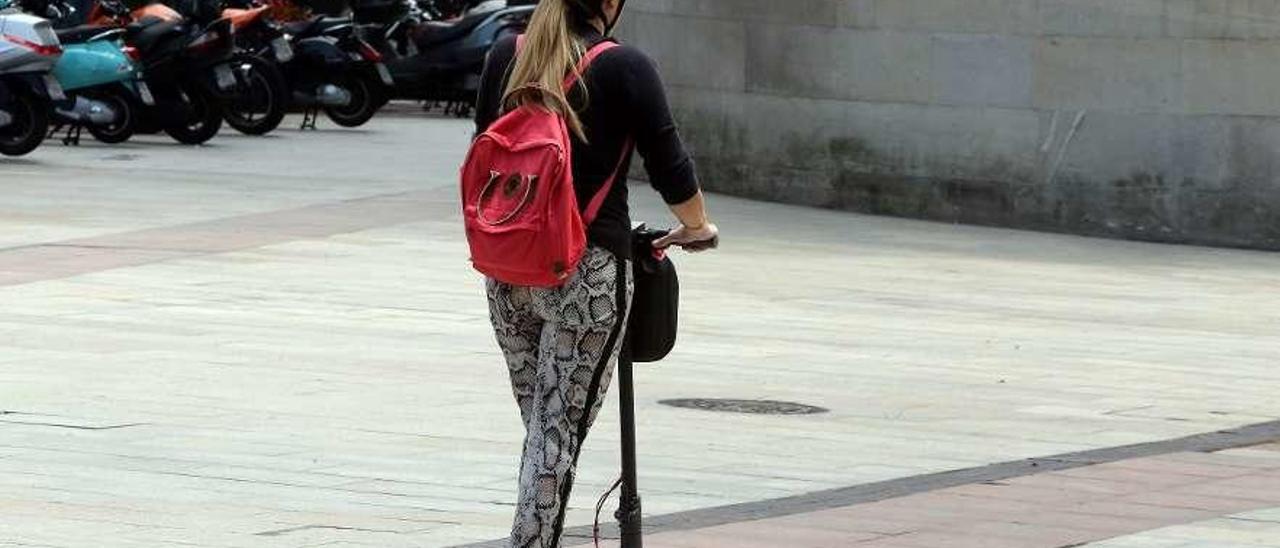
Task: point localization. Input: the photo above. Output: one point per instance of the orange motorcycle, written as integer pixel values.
(262, 96)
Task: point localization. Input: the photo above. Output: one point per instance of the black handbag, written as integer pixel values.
(651, 331)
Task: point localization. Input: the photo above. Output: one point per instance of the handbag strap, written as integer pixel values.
(597, 201)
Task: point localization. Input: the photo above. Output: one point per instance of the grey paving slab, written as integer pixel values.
(350, 377)
(1237, 531)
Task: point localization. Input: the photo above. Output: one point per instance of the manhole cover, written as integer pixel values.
(755, 407)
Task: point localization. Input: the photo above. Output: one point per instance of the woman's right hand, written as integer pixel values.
(697, 239)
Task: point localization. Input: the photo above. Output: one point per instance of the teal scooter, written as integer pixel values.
(102, 83)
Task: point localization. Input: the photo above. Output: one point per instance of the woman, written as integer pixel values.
(561, 344)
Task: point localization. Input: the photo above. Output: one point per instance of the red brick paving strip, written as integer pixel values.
(20, 265)
(1051, 510)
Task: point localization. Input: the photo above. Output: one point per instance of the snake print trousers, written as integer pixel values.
(561, 345)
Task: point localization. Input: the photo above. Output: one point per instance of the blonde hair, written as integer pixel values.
(550, 53)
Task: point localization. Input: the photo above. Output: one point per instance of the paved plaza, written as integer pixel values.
(278, 342)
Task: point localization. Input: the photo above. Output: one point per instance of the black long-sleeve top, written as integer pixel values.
(625, 97)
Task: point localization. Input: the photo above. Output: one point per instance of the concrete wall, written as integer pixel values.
(1146, 119)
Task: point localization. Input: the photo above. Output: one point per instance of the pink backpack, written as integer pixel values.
(518, 202)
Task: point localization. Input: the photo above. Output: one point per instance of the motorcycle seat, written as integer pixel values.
(242, 17)
(81, 34)
(147, 32)
(318, 26)
(433, 33)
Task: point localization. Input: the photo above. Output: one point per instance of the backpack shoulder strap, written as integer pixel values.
(590, 57)
(597, 201)
(587, 59)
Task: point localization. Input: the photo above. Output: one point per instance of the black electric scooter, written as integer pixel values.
(651, 334)
(628, 514)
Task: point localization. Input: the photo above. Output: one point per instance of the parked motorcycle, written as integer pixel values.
(328, 66)
(186, 66)
(336, 70)
(29, 49)
(441, 60)
(101, 82)
(260, 99)
(103, 85)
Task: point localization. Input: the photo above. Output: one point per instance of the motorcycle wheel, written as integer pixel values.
(203, 119)
(462, 109)
(28, 128)
(123, 128)
(366, 99)
(259, 107)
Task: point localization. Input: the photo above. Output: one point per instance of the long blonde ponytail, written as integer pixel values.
(551, 52)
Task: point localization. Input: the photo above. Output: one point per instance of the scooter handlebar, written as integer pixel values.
(644, 235)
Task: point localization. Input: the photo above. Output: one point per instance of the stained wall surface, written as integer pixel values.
(1145, 119)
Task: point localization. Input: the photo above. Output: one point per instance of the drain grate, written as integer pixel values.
(753, 407)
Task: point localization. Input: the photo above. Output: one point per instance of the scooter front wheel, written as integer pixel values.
(366, 99)
(203, 116)
(28, 128)
(260, 104)
(126, 122)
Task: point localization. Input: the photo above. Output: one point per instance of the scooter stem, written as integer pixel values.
(628, 514)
